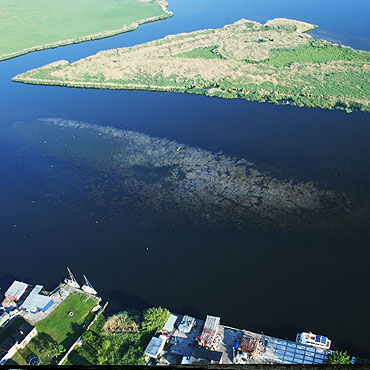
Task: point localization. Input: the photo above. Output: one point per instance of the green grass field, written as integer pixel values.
(59, 326)
(27, 24)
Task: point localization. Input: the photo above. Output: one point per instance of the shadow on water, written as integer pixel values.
(123, 300)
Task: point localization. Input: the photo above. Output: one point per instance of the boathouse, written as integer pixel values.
(16, 290)
(37, 302)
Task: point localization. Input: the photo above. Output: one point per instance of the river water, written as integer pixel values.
(57, 211)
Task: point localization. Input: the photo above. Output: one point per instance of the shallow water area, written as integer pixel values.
(59, 211)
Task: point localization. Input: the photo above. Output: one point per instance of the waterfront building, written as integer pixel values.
(155, 346)
(37, 302)
(202, 356)
(209, 331)
(186, 324)
(16, 290)
(4, 317)
(170, 323)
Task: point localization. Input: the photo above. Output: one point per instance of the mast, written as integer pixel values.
(88, 282)
(72, 281)
(87, 287)
(71, 275)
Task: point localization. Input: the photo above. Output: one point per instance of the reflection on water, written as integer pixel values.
(156, 175)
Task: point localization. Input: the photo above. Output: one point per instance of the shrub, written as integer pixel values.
(338, 357)
(120, 323)
(155, 318)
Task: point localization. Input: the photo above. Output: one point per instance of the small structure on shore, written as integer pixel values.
(170, 323)
(155, 346)
(202, 356)
(186, 324)
(16, 290)
(37, 302)
(4, 317)
(208, 335)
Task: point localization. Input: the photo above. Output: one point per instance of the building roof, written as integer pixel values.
(155, 346)
(186, 324)
(35, 301)
(288, 352)
(17, 336)
(210, 328)
(169, 325)
(16, 290)
(204, 356)
(4, 317)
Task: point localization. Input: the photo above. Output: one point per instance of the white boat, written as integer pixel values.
(314, 340)
(72, 281)
(87, 287)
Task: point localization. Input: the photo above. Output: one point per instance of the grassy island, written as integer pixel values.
(27, 25)
(276, 62)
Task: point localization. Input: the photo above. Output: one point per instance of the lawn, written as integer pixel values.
(31, 24)
(59, 326)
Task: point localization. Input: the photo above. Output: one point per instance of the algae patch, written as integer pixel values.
(153, 176)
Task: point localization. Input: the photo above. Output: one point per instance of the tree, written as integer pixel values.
(155, 318)
(54, 349)
(338, 357)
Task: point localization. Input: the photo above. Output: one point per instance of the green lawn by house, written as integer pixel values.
(59, 326)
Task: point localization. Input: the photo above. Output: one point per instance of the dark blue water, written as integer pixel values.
(280, 282)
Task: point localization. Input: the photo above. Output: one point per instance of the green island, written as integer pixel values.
(276, 62)
(27, 26)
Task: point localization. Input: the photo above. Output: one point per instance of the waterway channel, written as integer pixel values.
(59, 210)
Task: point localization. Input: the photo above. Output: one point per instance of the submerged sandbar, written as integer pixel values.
(276, 62)
(27, 26)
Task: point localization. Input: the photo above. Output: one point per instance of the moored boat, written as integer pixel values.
(314, 340)
(71, 281)
(88, 288)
